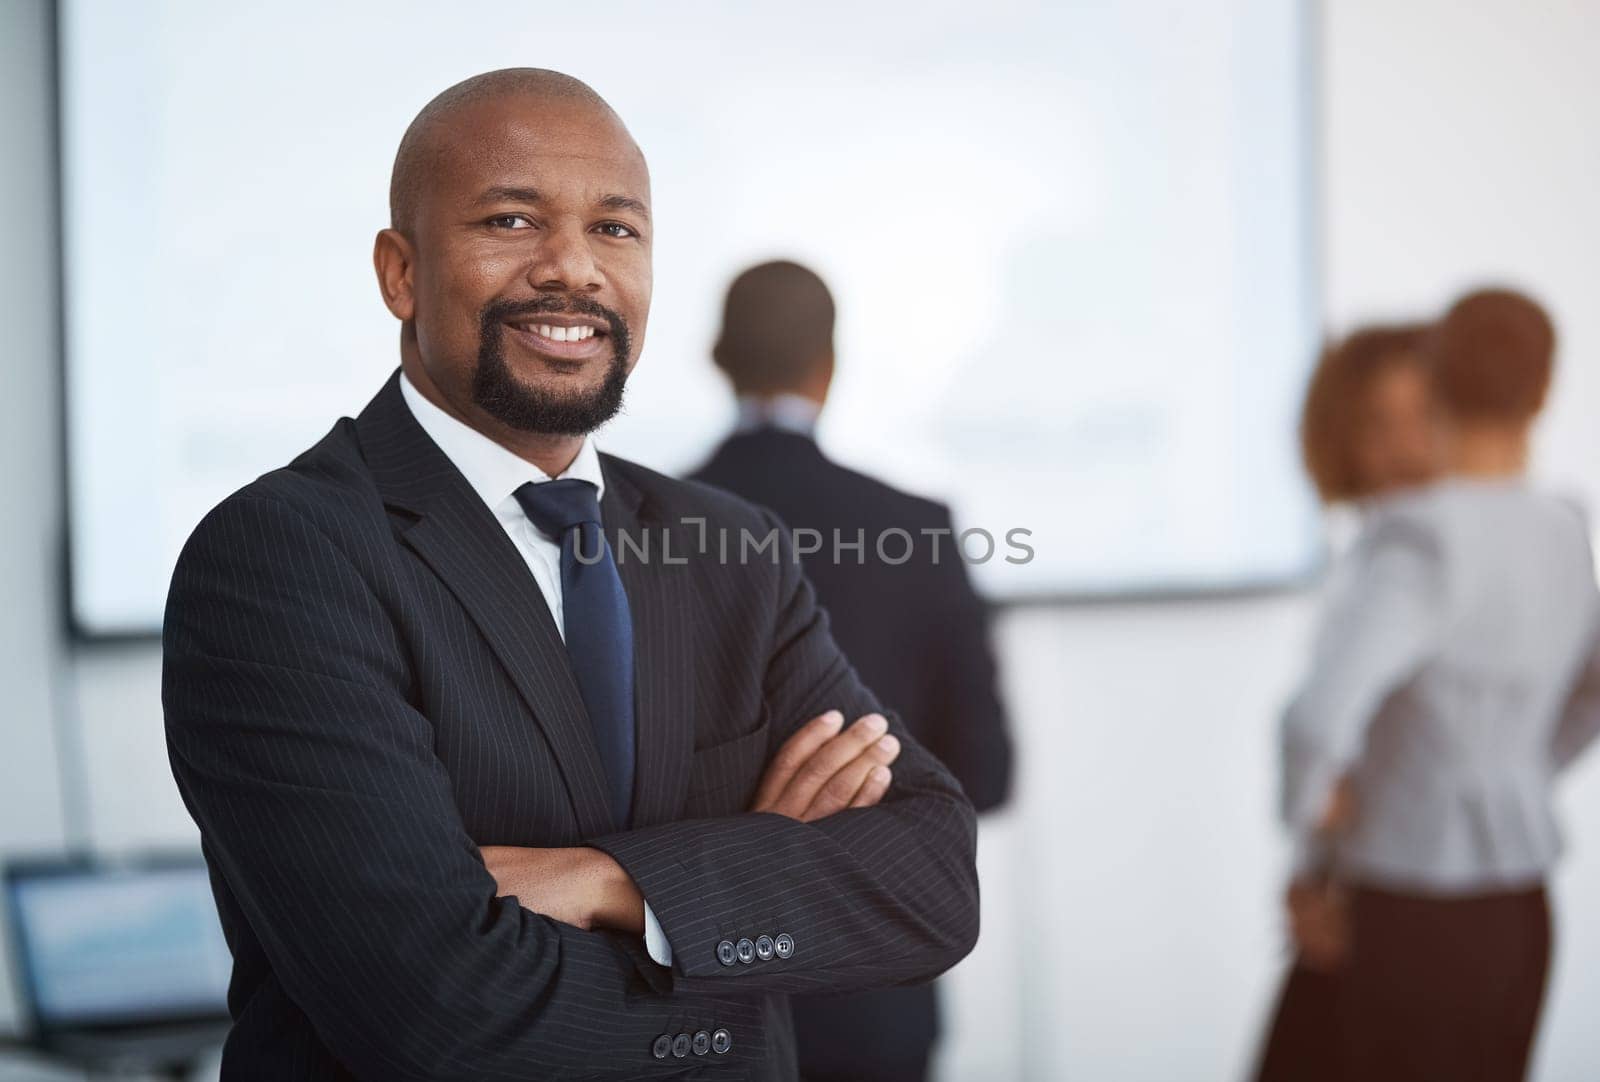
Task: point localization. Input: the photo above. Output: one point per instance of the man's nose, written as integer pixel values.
(565, 261)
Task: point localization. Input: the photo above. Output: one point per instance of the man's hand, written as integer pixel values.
(825, 768)
(578, 886)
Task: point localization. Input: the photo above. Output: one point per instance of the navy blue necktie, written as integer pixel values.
(597, 623)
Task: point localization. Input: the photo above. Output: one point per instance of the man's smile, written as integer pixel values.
(563, 338)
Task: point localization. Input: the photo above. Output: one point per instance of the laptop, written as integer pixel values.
(121, 962)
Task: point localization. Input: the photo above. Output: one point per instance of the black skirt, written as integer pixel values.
(1435, 990)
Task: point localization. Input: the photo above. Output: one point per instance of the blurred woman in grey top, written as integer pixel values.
(1442, 686)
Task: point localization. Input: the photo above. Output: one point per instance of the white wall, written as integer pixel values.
(1130, 930)
(1130, 923)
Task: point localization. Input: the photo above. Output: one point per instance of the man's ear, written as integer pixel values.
(394, 259)
(821, 377)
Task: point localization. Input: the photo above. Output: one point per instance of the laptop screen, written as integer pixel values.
(106, 945)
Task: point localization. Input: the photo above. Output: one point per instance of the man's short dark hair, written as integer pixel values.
(777, 324)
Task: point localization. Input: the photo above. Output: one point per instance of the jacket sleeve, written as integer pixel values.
(866, 897)
(1374, 634)
(968, 731)
(325, 811)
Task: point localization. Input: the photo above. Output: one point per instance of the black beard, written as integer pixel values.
(499, 394)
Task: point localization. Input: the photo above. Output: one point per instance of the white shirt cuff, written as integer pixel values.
(655, 940)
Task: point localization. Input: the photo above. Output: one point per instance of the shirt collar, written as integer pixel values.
(493, 472)
(784, 411)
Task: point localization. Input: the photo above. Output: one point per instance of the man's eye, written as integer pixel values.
(511, 221)
(616, 229)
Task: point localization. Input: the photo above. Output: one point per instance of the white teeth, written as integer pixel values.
(563, 334)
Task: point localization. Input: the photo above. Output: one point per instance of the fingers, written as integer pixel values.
(840, 791)
(825, 768)
(793, 755)
(1319, 926)
(1322, 948)
(873, 788)
(825, 762)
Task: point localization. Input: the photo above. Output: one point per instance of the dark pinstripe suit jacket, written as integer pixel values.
(363, 684)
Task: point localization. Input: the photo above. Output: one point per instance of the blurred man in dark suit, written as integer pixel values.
(914, 629)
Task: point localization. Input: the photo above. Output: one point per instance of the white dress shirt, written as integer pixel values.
(785, 411)
(1440, 683)
(495, 474)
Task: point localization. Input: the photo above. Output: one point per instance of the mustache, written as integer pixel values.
(496, 312)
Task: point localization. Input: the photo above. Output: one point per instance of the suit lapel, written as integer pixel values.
(448, 526)
(660, 600)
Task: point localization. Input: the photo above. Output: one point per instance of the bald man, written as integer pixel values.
(512, 759)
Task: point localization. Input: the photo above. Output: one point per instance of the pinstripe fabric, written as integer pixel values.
(363, 684)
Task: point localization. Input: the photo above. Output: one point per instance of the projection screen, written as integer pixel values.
(1070, 245)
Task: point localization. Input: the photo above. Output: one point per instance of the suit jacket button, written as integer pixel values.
(702, 1043)
(784, 945)
(746, 950)
(662, 1048)
(725, 953)
(721, 1041)
(764, 948)
(680, 1045)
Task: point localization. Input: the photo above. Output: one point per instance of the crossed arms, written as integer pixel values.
(333, 826)
(822, 769)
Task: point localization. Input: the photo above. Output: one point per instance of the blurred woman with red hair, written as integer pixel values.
(1366, 433)
(1364, 429)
